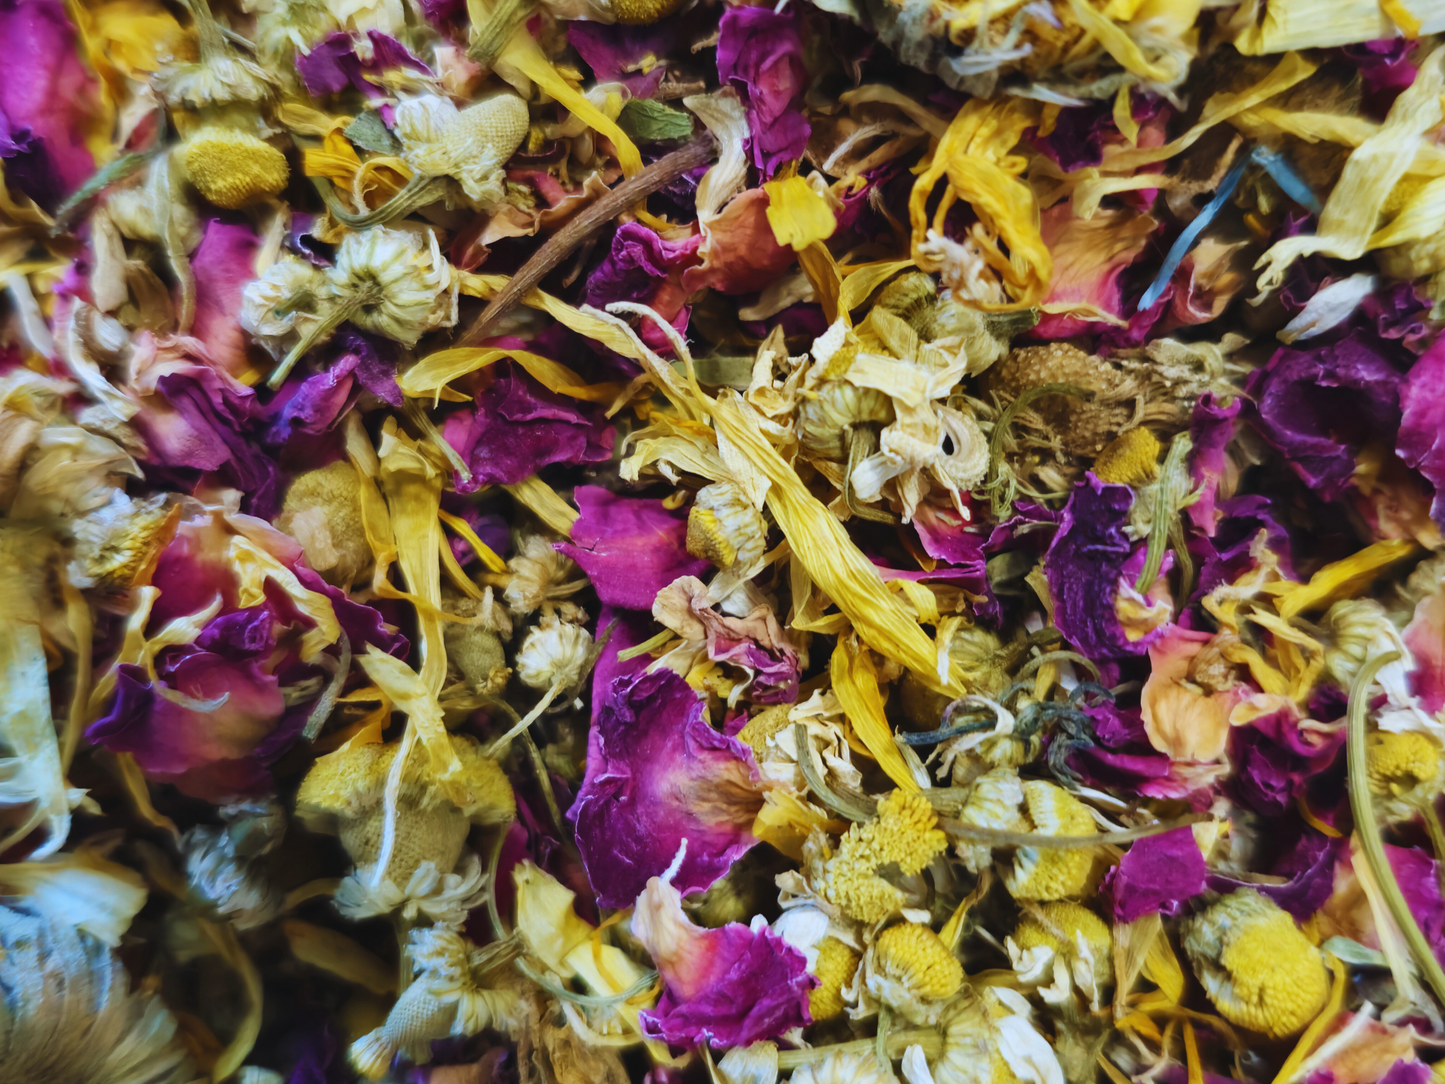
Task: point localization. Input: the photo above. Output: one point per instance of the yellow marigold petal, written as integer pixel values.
(798, 214)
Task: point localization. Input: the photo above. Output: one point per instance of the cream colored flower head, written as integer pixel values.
(396, 283)
(279, 307)
(471, 144)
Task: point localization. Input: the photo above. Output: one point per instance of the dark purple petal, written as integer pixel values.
(760, 52)
(615, 52)
(1319, 407)
(28, 168)
(46, 91)
(362, 624)
(1419, 877)
(1211, 429)
(657, 774)
(336, 62)
(1310, 868)
(1084, 565)
(313, 405)
(630, 547)
(241, 635)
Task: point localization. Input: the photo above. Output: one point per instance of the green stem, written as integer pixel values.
(1001, 484)
(854, 811)
(1368, 828)
(315, 337)
(994, 837)
(417, 192)
(1166, 508)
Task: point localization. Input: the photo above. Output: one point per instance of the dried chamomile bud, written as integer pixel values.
(471, 144)
(904, 833)
(993, 802)
(1358, 628)
(828, 414)
(540, 575)
(1398, 763)
(1256, 965)
(279, 308)
(322, 511)
(232, 168)
(844, 1068)
(1129, 459)
(445, 999)
(347, 788)
(218, 77)
(912, 971)
(393, 282)
(554, 653)
(117, 542)
(227, 880)
(1076, 935)
(837, 962)
(474, 650)
(724, 527)
(914, 297)
(1052, 873)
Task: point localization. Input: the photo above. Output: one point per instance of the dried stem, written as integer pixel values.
(661, 173)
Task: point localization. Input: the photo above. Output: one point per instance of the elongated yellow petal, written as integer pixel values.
(1341, 579)
(797, 214)
(856, 684)
(435, 371)
(829, 555)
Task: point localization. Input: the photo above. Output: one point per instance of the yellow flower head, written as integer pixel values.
(322, 511)
(1047, 873)
(234, 169)
(1129, 459)
(1061, 926)
(1397, 763)
(837, 962)
(348, 786)
(904, 832)
(1256, 965)
(912, 956)
(642, 12)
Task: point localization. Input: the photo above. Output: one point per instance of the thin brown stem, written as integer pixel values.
(658, 175)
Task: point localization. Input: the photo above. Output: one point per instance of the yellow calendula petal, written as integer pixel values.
(1291, 69)
(412, 483)
(1341, 579)
(523, 53)
(1120, 45)
(1311, 24)
(855, 681)
(435, 371)
(409, 693)
(534, 494)
(1370, 174)
(336, 160)
(824, 549)
(975, 157)
(798, 213)
(1124, 116)
(587, 325)
(860, 280)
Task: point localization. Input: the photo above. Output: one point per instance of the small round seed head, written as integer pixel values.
(1256, 965)
(837, 961)
(723, 527)
(1396, 763)
(233, 169)
(914, 958)
(905, 832)
(322, 511)
(1129, 459)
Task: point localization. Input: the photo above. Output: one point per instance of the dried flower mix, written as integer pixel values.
(834, 542)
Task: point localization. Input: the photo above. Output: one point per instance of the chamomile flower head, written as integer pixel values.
(395, 283)
(1129, 459)
(348, 788)
(540, 575)
(834, 970)
(554, 652)
(1358, 628)
(1398, 763)
(280, 307)
(993, 802)
(725, 528)
(828, 415)
(1052, 873)
(1257, 966)
(474, 648)
(322, 511)
(1073, 933)
(904, 833)
(214, 82)
(232, 168)
(911, 970)
(471, 144)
